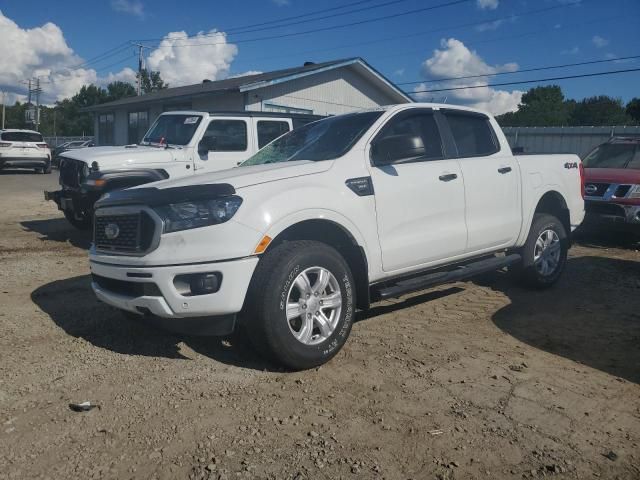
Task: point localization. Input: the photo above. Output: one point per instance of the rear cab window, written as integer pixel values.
(21, 137)
(472, 133)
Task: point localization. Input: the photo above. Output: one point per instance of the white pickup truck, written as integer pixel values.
(178, 144)
(330, 217)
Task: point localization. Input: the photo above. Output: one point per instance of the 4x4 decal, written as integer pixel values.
(570, 165)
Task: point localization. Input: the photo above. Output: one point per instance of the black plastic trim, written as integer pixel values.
(153, 196)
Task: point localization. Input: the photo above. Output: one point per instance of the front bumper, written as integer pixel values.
(612, 213)
(152, 291)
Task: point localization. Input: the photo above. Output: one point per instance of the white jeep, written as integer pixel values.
(178, 144)
(330, 217)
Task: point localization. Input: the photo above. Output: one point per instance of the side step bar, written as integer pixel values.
(460, 273)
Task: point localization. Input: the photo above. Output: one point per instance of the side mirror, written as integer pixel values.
(396, 148)
(206, 145)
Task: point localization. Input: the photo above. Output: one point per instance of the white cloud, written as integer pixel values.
(245, 74)
(131, 7)
(484, 27)
(487, 4)
(399, 72)
(570, 51)
(453, 60)
(179, 65)
(599, 42)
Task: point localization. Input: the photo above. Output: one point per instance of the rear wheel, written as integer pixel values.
(81, 222)
(544, 254)
(301, 304)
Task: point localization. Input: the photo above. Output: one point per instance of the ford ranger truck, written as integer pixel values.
(330, 217)
(612, 186)
(178, 144)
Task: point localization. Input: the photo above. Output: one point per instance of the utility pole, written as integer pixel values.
(38, 91)
(140, 66)
(3, 107)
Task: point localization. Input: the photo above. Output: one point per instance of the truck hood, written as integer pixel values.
(612, 175)
(122, 157)
(240, 177)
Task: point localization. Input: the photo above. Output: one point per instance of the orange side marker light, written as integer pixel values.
(264, 243)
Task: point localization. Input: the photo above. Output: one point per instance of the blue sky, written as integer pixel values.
(473, 37)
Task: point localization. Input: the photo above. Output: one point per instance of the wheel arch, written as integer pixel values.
(553, 203)
(336, 235)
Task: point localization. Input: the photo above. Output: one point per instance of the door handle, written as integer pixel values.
(504, 170)
(447, 177)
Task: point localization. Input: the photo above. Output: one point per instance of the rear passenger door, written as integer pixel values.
(229, 142)
(491, 181)
(419, 195)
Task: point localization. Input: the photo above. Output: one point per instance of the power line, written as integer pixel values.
(550, 67)
(323, 29)
(446, 28)
(567, 77)
(298, 22)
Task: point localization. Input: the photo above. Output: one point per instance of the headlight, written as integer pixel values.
(196, 214)
(635, 192)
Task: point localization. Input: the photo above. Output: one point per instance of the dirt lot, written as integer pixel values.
(471, 380)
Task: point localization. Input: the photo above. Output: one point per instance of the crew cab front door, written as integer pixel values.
(491, 181)
(419, 193)
(226, 142)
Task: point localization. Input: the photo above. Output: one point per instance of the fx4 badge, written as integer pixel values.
(570, 165)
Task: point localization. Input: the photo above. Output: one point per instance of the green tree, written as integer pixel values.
(600, 110)
(151, 81)
(540, 106)
(117, 90)
(633, 109)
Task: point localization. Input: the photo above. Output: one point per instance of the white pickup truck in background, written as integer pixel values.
(330, 217)
(178, 144)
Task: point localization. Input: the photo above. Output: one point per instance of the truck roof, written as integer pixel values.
(227, 113)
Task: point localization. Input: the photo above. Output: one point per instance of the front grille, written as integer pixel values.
(130, 289)
(622, 190)
(124, 229)
(609, 209)
(601, 188)
(72, 172)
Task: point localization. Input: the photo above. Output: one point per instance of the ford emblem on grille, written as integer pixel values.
(589, 189)
(111, 231)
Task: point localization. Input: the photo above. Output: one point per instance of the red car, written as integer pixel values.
(612, 184)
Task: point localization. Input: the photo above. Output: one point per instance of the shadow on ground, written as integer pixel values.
(59, 230)
(592, 316)
(18, 171)
(72, 305)
(607, 238)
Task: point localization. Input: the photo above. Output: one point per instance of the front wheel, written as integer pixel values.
(544, 254)
(301, 304)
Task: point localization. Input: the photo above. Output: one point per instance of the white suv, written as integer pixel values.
(24, 149)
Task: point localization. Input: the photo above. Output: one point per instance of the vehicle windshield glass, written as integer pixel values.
(322, 140)
(614, 155)
(21, 137)
(172, 129)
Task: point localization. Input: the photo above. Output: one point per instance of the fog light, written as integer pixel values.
(204, 283)
(197, 283)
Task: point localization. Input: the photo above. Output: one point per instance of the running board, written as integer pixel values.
(460, 273)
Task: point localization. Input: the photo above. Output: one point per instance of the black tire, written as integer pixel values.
(265, 315)
(47, 169)
(533, 274)
(83, 222)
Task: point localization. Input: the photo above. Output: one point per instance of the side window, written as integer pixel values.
(227, 136)
(413, 137)
(269, 130)
(472, 134)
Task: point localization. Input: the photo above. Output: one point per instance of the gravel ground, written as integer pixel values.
(471, 380)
